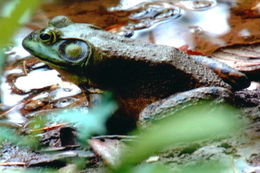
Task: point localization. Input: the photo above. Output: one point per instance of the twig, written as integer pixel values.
(12, 164)
(45, 129)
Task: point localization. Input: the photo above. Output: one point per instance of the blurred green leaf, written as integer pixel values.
(224, 165)
(38, 122)
(12, 22)
(9, 135)
(207, 166)
(88, 122)
(151, 168)
(205, 121)
(16, 11)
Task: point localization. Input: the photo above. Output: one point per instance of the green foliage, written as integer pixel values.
(12, 21)
(205, 121)
(88, 122)
(203, 166)
(200, 166)
(14, 13)
(9, 135)
(38, 122)
(151, 168)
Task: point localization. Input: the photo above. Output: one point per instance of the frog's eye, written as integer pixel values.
(74, 50)
(49, 37)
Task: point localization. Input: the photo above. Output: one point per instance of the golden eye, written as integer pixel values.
(49, 37)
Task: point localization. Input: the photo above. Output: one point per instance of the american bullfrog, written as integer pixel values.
(147, 79)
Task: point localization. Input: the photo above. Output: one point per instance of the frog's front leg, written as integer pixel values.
(179, 101)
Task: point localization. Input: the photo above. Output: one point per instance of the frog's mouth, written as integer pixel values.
(44, 52)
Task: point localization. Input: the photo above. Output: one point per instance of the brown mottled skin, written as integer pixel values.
(138, 73)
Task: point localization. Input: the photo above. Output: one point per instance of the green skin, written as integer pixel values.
(138, 73)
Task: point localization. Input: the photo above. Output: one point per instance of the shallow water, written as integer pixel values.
(202, 26)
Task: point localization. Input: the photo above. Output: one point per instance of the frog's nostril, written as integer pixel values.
(28, 37)
(27, 40)
(31, 36)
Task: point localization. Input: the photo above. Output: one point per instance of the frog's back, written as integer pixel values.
(118, 48)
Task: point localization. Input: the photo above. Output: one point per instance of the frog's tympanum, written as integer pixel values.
(147, 79)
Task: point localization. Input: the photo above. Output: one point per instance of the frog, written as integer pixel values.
(147, 79)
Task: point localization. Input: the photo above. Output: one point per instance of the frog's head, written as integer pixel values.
(59, 44)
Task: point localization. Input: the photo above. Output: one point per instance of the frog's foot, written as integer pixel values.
(177, 102)
(232, 76)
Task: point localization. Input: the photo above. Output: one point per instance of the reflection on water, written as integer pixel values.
(185, 4)
(207, 24)
(24, 93)
(128, 4)
(213, 21)
(201, 26)
(40, 79)
(196, 4)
